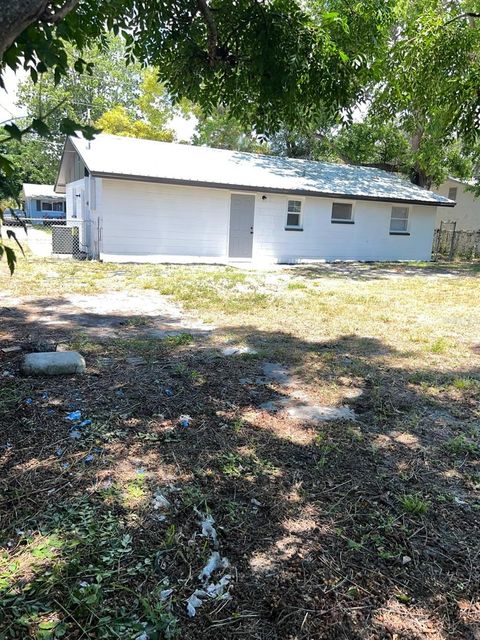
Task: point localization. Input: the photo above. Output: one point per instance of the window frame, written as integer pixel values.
(49, 203)
(338, 220)
(291, 227)
(456, 193)
(406, 231)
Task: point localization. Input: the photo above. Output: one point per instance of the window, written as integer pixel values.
(342, 212)
(399, 220)
(294, 214)
(452, 193)
(46, 206)
(39, 205)
(58, 206)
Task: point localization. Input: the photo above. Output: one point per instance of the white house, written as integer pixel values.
(147, 201)
(466, 214)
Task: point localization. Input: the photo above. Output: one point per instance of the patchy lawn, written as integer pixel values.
(362, 529)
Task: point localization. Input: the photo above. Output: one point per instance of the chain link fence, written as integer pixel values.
(48, 237)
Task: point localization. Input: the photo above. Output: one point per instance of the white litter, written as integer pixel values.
(160, 502)
(217, 591)
(165, 594)
(208, 530)
(214, 562)
(194, 601)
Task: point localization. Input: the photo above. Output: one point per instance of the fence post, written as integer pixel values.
(452, 244)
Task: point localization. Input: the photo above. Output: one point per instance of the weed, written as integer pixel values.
(170, 540)
(135, 491)
(465, 384)
(237, 425)
(182, 370)
(236, 465)
(178, 340)
(235, 511)
(74, 559)
(192, 496)
(136, 321)
(297, 286)
(439, 346)
(462, 446)
(414, 504)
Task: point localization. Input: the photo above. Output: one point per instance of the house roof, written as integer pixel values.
(469, 183)
(131, 158)
(40, 191)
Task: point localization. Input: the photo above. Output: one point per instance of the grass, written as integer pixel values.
(350, 522)
(462, 446)
(414, 504)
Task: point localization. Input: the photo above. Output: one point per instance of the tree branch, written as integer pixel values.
(212, 33)
(17, 15)
(60, 13)
(30, 127)
(462, 15)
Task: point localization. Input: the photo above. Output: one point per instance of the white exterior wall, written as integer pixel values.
(81, 198)
(367, 239)
(466, 212)
(152, 222)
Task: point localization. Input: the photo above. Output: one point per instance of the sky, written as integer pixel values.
(183, 127)
(8, 109)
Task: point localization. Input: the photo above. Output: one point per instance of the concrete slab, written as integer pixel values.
(238, 351)
(274, 372)
(307, 412)
(53, 363)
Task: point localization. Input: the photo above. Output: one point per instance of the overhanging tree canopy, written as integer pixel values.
(271, 62)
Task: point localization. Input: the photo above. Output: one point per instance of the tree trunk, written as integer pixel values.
(17, 15)
(417, 175)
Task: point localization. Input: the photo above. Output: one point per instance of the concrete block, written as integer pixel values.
(53, 363)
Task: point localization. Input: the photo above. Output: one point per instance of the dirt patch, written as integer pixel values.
(107, 315)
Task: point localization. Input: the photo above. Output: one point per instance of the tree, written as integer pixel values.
(84, 97)
(32, 160)
(270, 62)
(376, 144)
(115, 95)
(430, 83)
(119, 122)
(221, 130)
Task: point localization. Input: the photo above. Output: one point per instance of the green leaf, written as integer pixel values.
(13, 131)
(40, 127)
(6, 165)
(11, 234)
(11, 258)
(69, 127)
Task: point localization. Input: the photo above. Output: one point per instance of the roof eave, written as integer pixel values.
(238, 187)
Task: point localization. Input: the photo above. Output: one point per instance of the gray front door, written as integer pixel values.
(242, 215)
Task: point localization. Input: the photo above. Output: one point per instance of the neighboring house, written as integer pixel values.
(466, 214)
(41, 202)
(147, 201)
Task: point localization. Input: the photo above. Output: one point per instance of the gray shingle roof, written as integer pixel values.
(117, 156)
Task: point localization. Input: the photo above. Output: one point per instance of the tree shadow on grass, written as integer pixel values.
(315, 520)
(367, 271)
